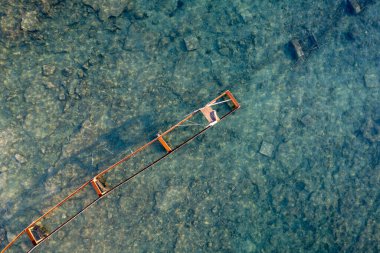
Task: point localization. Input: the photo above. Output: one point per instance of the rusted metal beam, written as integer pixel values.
(164, 143)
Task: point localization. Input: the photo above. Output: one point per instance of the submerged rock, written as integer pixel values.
(307, 120)
(371, 130)
(10, 236)
(3, 234)
(191, 43)
(24, 247)
(354, 6)
(44, 110)
(29, 21)
(67, 72)
(46, 7)
(108, 8)
(62, 95)
(7, 137)
(266, 149)
(9, 26)
(246, 15)
(50, 85)
(372, 79)
(48, 70)
(169, 6)
(86, 135)
(21, 159)
(224, 48)
(290, 154)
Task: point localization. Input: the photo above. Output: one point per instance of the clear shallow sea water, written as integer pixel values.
(118, 72)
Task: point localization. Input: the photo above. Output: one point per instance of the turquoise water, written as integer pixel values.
(84, 82)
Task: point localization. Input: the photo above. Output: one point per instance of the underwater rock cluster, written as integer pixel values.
(108, 8)
(29, 21)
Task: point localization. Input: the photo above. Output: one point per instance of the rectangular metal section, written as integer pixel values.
(96, 187)
(163, 143)
(233, 99)
(31, 236)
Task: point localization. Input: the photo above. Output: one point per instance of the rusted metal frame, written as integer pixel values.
(229, 95)
(94, 183)
(233, 99)
(43, 216)
(237, 106)
(40, 218)
(145, 145)
(31, 236)
(90, 181)
(59, 204)
(208, 109)
(65, 223)
(122, 183)
(27, 230)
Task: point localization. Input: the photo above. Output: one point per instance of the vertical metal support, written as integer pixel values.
(31, 236)
(164, 143)
(97, 189)
(233, 99)
(29, 232)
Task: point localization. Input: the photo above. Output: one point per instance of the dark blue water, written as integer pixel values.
(296, 169)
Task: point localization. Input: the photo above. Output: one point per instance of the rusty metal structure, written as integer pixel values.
(115, 176)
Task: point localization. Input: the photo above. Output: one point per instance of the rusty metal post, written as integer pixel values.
(164, 143)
